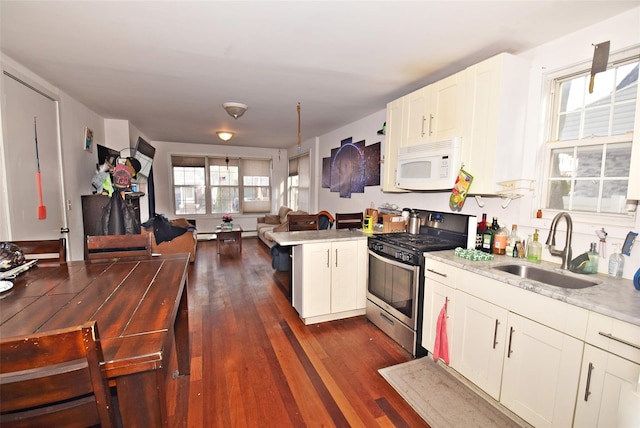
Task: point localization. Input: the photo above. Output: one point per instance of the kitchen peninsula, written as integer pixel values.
(329, 273)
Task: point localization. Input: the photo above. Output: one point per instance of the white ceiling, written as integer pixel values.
(167, 66)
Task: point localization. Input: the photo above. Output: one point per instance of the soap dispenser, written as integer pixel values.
(534, 249)
(594, 258)
(616, 263)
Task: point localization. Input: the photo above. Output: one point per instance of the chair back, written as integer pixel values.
(53, 249)
(349, 220)
(54, 379)
(303, 222)
(117, 246)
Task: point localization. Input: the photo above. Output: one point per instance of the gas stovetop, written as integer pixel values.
(418, 243)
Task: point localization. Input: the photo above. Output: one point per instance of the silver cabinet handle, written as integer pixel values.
(617, 339)
(336, 257)
(444, 275)
(422, 128)
(430, 122)
(586, 391)
(328, 256)
(495, 334)
(509, 351)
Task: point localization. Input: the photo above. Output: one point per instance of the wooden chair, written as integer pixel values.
(302, 222)
(49, 249)
(116, 246)
(54, 379)
(349, 220)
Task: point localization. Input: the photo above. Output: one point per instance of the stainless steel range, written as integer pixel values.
(395, 287)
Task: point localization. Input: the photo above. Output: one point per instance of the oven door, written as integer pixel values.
(393, 286)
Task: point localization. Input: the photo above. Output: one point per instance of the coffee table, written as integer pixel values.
(233, 233)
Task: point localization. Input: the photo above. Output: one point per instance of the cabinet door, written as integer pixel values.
(416, 114)
(603, 378)
(445, 112)
(344, 276)
(541, 371)
(435, 295)
(393, 141)
(478, 342)
(316, 280)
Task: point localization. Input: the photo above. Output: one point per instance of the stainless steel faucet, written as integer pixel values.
(551, 240)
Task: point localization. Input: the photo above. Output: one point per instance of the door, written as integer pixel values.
(21, 104)
(344, 276)
(435, 296)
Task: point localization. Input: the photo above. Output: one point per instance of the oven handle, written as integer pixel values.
(414, 268)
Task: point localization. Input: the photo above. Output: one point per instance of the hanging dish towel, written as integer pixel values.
(441, 346)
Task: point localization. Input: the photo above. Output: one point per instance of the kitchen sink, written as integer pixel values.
(546, 276)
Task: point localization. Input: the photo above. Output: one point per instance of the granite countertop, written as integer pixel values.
(315, 236)
(614, 297)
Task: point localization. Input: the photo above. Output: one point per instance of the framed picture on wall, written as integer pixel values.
(88, 139)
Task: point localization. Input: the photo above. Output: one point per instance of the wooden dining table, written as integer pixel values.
(140, 306)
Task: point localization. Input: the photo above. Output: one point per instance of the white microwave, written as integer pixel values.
(429, 166)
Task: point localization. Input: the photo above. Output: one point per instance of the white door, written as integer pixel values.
(344, 276)
(20, 105)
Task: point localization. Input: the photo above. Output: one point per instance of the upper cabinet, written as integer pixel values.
(484, 105)
(495, 107)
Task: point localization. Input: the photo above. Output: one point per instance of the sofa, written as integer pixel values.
(175, 236)
(274, 223)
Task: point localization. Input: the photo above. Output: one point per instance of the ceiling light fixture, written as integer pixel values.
(224, 136)
(235, 110)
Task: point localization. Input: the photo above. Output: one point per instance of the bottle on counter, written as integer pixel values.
(594, 259)
(487, 240)
(534, 249)
(616, 263)
(513, 241)
(500, 236)
(482, 226)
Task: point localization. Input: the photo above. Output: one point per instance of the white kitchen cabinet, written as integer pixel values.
(329, 280)
(435, 112)
(393, 141)
(604, 377)
(436, 293)
(493, 137)
(610, 368)
(541, 372)
(478, 343)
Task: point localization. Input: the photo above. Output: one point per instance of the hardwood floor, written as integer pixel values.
(254, 363)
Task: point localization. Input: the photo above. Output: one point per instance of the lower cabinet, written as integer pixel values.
(604, 378)
(478, 342)
(435, 296)
(329, 280)
(540, 374)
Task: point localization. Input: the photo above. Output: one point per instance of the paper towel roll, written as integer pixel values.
(636, 280)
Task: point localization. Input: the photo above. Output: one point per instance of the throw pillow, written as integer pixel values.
(272, 219)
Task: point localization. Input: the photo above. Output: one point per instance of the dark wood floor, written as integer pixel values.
(254, 363)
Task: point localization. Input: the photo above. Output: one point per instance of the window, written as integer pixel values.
(589, 152)
(211, 185)
(298, 187)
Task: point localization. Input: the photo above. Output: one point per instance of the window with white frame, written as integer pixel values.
(589, 150)
(215, 185)
(298, 183)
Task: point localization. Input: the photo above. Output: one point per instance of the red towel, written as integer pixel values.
(441, 346)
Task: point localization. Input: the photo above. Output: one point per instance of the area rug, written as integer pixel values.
(441, 399)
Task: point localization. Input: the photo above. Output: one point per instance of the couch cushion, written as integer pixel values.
(282, 213)
(272, 219)
(284, 227)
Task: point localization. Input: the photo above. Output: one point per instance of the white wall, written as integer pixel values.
(162, 177)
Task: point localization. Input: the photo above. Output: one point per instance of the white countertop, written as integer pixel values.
(614, 297)
(313, 236)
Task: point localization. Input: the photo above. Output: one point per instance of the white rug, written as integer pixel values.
(441, 399)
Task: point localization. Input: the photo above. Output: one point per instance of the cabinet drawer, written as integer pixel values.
(441, 272)
(615, 336)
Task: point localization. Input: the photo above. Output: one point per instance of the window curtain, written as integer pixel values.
(255, 168)
(300, 166)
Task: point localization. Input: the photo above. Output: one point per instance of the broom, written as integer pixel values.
(42, 210)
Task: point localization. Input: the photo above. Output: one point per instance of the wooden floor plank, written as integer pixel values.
(254, 363)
